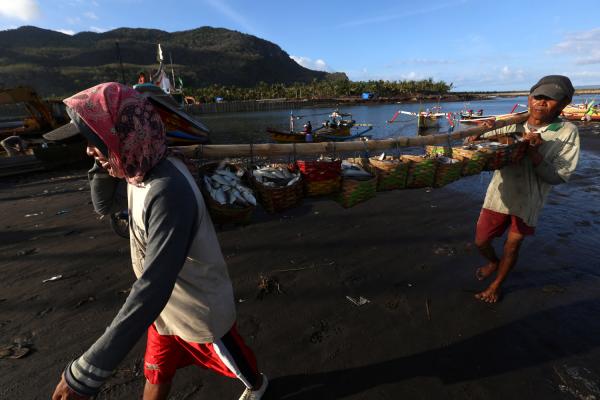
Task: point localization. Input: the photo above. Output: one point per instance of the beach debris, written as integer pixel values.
(45, 311)
(225, 186)
(580, 382)
(34, 214)
(445, 250)
(275, 176)
(61, 212)
(361, 301)
(428, 308)
(84, 301)
(267, 285)
(15, 350)
(27, 252)
(52, 279)
(553, 289)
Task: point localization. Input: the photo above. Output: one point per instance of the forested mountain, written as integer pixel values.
(58, 64)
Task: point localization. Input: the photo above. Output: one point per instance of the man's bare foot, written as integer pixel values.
(485, 271)
(489, 295)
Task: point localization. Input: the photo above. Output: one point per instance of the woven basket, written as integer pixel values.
(512, 153)
(391, 172)
(223, 213)
(320, 177)
(356, 191)
(446, 173)
(421, 171)
(275, 199)
(473, 160)
(439, 151)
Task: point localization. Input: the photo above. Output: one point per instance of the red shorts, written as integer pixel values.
(228, 356)
(493, 224)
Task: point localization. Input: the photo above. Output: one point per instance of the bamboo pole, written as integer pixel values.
(285, 149)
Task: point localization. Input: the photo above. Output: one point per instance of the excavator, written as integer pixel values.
(42, 115)
(24, 114)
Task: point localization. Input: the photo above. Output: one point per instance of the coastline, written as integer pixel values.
(406, 251)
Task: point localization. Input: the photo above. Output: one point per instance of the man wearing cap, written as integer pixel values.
(517, 192)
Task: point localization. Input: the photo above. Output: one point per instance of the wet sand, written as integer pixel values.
(420, 336)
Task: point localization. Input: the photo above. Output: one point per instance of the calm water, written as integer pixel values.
(250, 127)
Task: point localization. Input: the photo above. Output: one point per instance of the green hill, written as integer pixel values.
(58, 64)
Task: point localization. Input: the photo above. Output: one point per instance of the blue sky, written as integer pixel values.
(476, 45)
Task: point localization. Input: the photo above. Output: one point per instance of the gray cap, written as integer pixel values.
(74, 128)
(556, 87)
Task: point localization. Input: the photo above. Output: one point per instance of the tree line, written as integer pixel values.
(324, 89)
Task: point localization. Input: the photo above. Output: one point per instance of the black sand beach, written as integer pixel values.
(422, 335)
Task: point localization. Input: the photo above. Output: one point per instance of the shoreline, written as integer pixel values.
(409, 252)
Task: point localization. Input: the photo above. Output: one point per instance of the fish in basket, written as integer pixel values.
(421, 171)
(279, 186)
(227, 196)
(391, 172)
(473, 160)
(322, 176)
(447, 171)
(358, 185)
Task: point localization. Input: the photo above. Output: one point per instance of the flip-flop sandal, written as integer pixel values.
(13, 351)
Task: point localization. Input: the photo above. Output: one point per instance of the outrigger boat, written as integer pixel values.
(582, 112)
(182, 129)
(425, 119)
(480, 119)
(300, 137)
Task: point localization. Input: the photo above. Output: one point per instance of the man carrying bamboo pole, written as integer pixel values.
(517, 193)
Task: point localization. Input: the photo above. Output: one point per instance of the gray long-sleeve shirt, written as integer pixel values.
(182, 286)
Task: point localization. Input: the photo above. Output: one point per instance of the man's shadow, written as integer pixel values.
(539, 338)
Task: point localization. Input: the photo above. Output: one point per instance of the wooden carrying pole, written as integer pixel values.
(272, 149)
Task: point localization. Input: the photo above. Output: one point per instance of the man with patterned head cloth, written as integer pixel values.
(183, 295)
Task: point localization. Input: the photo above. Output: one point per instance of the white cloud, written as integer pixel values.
(90, 15)
(584, 45)
(73, 20)
(25, 10)
(69, 32)
(317, 65)
(98, 29)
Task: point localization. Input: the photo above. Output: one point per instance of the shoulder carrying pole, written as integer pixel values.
(273, 149)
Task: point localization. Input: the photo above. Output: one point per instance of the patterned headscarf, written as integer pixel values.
(127, 123)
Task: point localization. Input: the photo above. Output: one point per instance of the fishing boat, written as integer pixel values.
(425, 119)
(317, 136)
(182, 129)
(582, 112)
(338, 124)
(483, 119)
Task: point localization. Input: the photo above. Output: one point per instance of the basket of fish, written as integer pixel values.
(358, 184)
(391, 172)
(421, 171)
(439, 151)
(321, 177)
(505, 151)
(228, 198)
(447, 171)
(278, 186)
(473, 160)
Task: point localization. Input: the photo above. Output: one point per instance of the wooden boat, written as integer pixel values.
(182, 128)
(581, 112)
(318, 136)
(482, 119)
